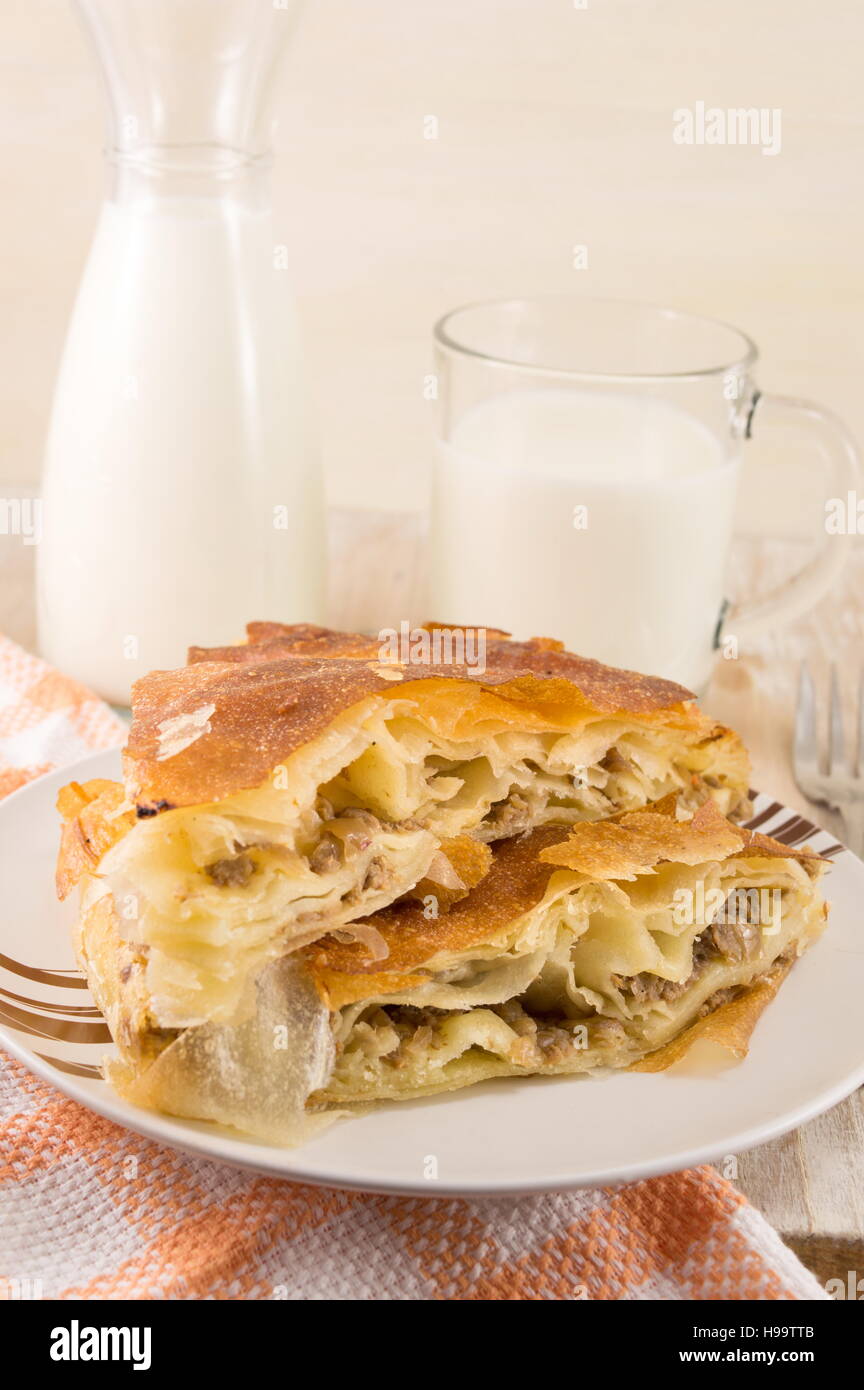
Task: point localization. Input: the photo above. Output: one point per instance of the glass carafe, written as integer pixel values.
(182, 492)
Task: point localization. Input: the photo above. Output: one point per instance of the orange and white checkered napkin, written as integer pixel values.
(88, 1210)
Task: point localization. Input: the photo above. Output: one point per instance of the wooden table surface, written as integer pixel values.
(809, 1184)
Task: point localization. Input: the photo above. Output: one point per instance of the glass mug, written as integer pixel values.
(587, 475)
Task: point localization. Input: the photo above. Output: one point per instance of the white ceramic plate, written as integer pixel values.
(509, 1136)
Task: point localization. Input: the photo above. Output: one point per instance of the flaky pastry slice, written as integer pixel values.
(616, 942)
(613, 944)
(268, 802)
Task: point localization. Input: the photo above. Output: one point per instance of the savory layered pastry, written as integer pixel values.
(581, 949)
(602, 945)
(268, 801)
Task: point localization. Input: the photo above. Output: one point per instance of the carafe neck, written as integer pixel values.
(190, 86)
(186, 172)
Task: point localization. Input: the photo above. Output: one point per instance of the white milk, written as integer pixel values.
(637, 578)
(180, 495)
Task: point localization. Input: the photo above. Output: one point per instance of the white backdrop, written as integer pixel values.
(554, 130)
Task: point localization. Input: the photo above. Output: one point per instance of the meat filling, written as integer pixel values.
(326, 856)
(234, 872)
(510, 816)
(405, 1034)
(733, 942)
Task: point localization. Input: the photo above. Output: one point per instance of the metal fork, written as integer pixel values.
(833, 780)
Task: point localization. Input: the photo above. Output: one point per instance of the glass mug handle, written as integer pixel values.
(753, 617)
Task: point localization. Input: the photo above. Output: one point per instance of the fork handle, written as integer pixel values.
(853, 825)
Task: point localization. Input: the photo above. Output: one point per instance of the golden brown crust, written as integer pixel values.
(632, 842)
(608, 688)
(275, 641)
(492, 634)
(92, 823)
(730, 1025)
(337, 989)
(249, 719)
(517, 880)
(757, 844)
(470, 861)
(218, 727)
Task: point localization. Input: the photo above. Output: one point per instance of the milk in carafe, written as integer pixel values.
(181, 491)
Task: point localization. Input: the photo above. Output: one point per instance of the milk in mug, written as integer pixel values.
(600, 519)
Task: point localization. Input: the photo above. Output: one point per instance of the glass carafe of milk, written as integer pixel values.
(182, 494)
